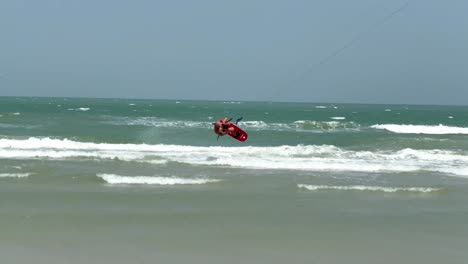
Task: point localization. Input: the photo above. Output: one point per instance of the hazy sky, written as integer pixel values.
(237, 50)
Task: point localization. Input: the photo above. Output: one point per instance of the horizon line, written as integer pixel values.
(224, 100)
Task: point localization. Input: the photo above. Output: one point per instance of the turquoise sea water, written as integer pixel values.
(146, 181)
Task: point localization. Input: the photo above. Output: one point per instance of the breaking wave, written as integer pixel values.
(300, 157)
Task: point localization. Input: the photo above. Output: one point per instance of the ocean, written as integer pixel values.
(147, 181)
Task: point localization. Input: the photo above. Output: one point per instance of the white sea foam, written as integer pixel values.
(299, 125)
(368, 188)
(14, 175)
(310, 157)
(84, 109)
(320, 107)
(255, 124)
(17, 113)
(338, 118)
(159, 122)
(324, 125)
(154, 161)
(420, 129)
(118, 179)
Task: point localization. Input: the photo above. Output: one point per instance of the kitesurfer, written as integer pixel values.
(221, 127)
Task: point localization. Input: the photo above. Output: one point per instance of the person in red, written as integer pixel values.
(221, 127)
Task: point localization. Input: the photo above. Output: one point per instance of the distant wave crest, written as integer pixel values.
(325, 125)
(299, 125)
(420, 129)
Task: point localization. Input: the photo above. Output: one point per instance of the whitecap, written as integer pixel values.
(255, 124)
(14, 175)
(79, 109)
(421, 129)
(156, 180)
(368, 188)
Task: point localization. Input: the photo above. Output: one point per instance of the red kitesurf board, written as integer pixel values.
(237, 133)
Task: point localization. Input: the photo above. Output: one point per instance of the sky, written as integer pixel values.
(360, 51)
